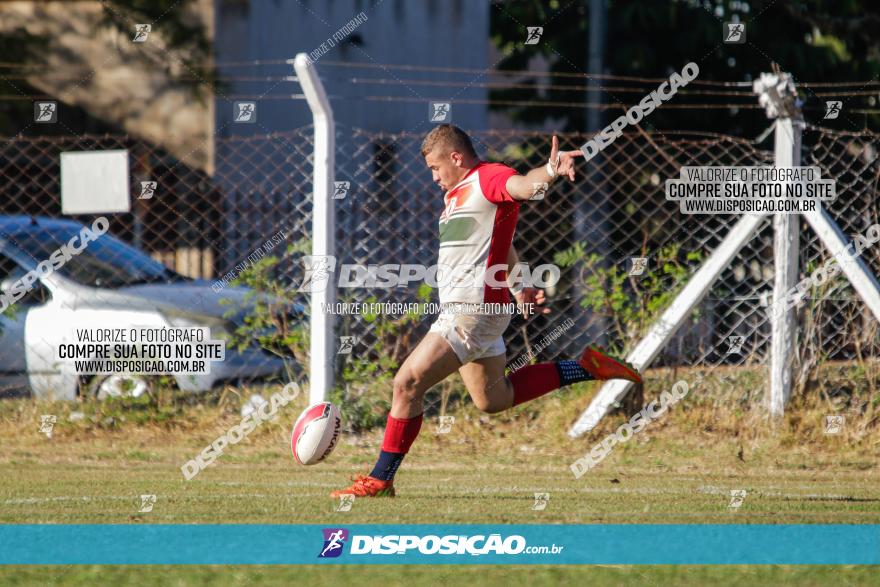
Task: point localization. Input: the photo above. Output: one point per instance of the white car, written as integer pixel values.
(107, 284)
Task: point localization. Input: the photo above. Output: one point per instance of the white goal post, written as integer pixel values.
(321, 347)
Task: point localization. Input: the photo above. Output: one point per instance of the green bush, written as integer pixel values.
(630, 304)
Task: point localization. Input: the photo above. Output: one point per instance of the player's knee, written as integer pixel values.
(406, 387)
(494, 398)
(489, 406)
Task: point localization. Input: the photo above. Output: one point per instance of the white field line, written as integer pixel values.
(313, 517)
(528, 493)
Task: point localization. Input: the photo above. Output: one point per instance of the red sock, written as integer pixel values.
(533, 381)
(400, 433)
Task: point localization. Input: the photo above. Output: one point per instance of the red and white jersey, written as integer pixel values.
(476, 230)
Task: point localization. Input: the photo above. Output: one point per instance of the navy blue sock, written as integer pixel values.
(571, 372)
(387, 465)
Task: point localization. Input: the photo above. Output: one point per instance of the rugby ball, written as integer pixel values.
(315, 433)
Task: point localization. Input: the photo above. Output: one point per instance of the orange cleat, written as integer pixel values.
(603, 367)
(366, 486)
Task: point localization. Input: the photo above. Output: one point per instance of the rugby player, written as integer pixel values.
(476, 230)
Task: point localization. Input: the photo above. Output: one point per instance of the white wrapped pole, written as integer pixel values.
(321, 363)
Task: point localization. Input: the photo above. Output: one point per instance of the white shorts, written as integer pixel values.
(473, 336)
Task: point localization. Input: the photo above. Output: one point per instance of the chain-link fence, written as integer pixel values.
(209, 227)
(835, 324)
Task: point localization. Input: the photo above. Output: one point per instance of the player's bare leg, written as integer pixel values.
(489, 389)
(432, 361)
(492, 392)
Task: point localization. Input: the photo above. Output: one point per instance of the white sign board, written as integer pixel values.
(95, 182)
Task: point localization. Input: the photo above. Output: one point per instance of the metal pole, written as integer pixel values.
(321, 367)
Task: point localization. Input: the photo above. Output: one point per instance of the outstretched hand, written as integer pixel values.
(563, 161)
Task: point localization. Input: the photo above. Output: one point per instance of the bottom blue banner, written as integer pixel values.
(734, 544)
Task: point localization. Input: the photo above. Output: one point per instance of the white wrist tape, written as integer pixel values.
(551, 167)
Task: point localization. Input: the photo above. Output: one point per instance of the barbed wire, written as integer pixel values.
(508, 85)
(467, 70)
(746, 84)
(490, 85)
(532, 73)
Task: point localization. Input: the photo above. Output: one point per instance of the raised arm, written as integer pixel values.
(561, 164)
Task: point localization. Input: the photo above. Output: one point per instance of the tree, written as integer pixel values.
(815, 40)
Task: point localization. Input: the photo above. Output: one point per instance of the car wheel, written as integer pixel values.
(119, 385)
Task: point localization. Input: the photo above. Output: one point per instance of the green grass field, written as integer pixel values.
(680, 469)
(380, 575)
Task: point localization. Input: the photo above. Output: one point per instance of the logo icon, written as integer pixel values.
(736, 498)
(639, 264)
(244, 112)
(534, 34)
(445, 423)
(539, 190)
(346, 344)
(734, 32)
(47, 423)
(834, 424)
(832, 109)
(734, 344)
(141, 32)
(46, 112)
(148, 190)
(345, 503)
(440, 112)
(334, 540)
(318, 269)
(341, 189)
(147, 502)
(541, 500)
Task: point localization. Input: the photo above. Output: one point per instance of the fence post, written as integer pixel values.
(786, 247)
(777, 94)
(321, 363)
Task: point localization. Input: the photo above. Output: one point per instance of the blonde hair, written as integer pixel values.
(449, 138)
